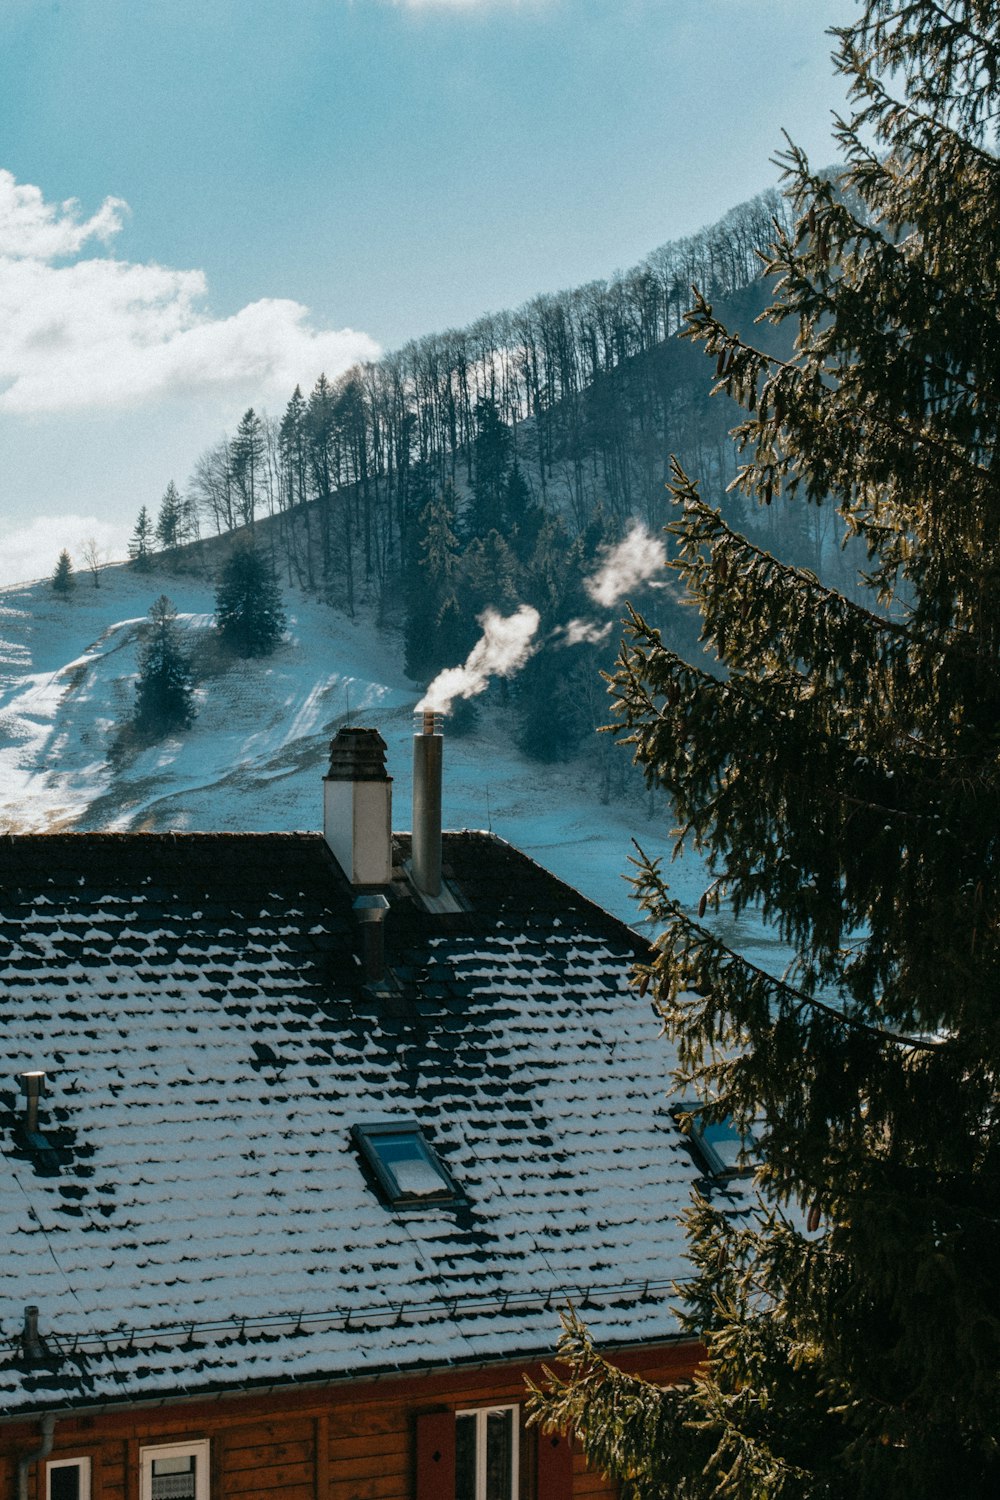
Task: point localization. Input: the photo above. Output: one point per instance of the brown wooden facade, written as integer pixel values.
(386, 1439)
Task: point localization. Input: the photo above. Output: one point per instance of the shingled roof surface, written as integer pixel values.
(209, 1040)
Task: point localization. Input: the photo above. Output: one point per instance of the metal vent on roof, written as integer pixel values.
(46, 1158)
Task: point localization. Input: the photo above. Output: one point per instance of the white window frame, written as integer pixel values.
(83, 1464)
(481, 1413)
(200, 1450)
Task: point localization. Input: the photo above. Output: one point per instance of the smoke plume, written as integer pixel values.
(506, 644)
(635, 560)
(580, 633)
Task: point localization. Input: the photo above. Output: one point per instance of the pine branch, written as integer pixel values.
(712, 528)
(852, 63)
(795, 618)
(700, 939)
(736, 377)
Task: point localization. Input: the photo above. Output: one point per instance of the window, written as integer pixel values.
(721, 1148)
(67, 1479)
(486, 1452)
(177, 1471)
(407, 1168)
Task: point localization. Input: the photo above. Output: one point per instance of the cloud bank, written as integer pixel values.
(94, 332)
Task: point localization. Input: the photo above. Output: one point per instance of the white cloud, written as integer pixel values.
(102, 333)
(44, 231)
(31, 551)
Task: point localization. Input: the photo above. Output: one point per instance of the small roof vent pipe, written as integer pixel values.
(428, 754)
(32, 1087)
(31, 1341)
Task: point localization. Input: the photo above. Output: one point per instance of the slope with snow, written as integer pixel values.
(254, 757)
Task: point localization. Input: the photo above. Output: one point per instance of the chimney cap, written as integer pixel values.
(428, 720)
(357, 755)
(32, 1082)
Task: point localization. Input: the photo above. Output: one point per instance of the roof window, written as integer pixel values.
(720, 1146)
(407, 1168)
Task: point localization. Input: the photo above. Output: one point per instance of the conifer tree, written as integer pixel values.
(436, 634)
(249, 613)
(492, 458)
(63, 580)
(247, 459)
(293, 443)
(522, 518)
(169, 521)
(164, 689)
(140, 547)
(839, 770)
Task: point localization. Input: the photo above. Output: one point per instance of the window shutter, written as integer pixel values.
(555, 1467)
(436, 1456)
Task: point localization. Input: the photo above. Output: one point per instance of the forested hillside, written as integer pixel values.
(490, 465)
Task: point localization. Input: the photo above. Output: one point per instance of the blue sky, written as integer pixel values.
(268, 187)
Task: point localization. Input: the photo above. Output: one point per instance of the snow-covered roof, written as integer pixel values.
(209, 1040)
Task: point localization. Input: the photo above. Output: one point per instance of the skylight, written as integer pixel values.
(721, 1148)
(407, 1168)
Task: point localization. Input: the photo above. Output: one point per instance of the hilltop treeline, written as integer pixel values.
(578, 375)
(489, 464)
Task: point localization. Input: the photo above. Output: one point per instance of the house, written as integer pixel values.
(304, 1142)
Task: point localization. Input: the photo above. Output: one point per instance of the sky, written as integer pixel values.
(206, 202)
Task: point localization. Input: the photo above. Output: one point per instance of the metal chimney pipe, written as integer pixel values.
(428, 748)
(32, 1087)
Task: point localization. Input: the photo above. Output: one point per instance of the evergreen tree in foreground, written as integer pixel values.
(842, 775)
(249, 614)
(63, 580)
(164, 690)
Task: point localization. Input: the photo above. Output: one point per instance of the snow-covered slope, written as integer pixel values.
(254, 756)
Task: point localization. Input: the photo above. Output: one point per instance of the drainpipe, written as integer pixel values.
(48, 1425)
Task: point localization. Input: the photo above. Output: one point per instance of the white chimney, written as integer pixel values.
(357, 807)
(428, 747)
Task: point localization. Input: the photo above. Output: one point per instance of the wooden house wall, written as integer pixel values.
(350, 1441)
